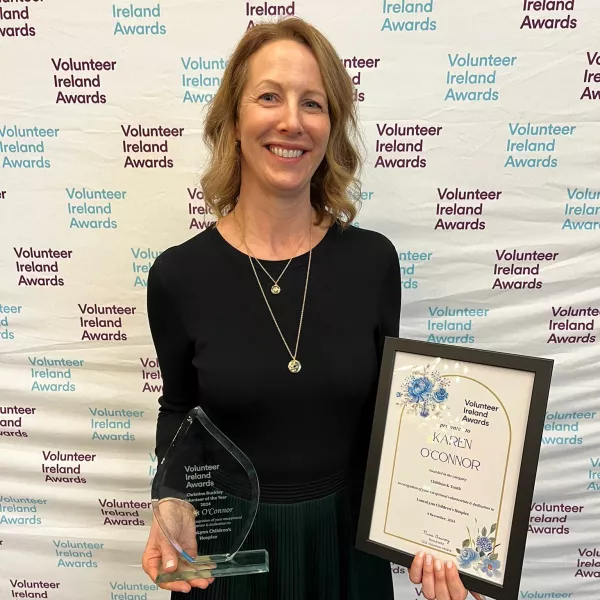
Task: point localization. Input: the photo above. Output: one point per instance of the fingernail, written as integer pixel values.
(438, 565)
(449, 565)
(428, 560)
(170, 563)
(420, 555)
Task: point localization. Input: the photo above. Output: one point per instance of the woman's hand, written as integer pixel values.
(159, 552)
(440, 581)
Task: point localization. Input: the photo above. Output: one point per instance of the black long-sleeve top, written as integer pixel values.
(218, 347)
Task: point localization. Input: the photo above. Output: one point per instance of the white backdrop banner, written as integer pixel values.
(482, 125)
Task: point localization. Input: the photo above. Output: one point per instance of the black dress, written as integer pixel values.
(306, 433)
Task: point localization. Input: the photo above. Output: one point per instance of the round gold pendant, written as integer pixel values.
(294, 366)
(275, 289)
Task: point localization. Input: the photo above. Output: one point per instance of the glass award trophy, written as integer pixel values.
(205, 497)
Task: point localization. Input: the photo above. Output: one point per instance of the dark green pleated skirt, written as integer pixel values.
(311, 557)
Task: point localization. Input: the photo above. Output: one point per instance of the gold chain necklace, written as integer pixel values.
(275, 288)
(294, 365)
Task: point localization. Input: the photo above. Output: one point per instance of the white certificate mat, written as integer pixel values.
(453, 458)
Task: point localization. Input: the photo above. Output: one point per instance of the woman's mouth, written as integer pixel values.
(285, 152)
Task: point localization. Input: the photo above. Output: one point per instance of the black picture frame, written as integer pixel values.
(542, 369)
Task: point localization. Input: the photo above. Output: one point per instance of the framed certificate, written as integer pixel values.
(453, 459)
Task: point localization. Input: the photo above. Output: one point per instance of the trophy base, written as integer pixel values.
(248, 562)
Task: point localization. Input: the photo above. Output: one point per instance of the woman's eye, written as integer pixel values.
(269, 97)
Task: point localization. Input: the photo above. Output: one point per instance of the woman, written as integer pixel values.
(274, 321)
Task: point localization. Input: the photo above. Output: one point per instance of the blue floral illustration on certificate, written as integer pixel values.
(424, 394)
(479, 552)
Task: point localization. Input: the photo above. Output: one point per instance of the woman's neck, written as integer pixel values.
(274, 228)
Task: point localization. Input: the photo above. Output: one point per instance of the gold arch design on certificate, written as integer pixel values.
(503, 479)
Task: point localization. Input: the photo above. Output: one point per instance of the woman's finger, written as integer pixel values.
(151, 561)
(455, 585)
(441, 589)
(428, 583)
(415, 572)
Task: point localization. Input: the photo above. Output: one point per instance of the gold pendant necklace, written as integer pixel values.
(294, 365)
(275, 288)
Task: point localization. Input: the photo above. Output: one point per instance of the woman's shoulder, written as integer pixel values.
(183, 258)
(370, 243)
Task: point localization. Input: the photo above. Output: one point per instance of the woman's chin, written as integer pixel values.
(289, 187)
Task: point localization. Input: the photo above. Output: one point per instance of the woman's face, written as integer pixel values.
(283, 120)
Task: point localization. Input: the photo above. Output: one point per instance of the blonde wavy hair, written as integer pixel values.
(335, 187)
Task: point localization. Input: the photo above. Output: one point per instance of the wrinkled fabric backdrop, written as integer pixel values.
(482, 137)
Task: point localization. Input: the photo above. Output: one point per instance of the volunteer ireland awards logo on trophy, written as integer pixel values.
(205, 497)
